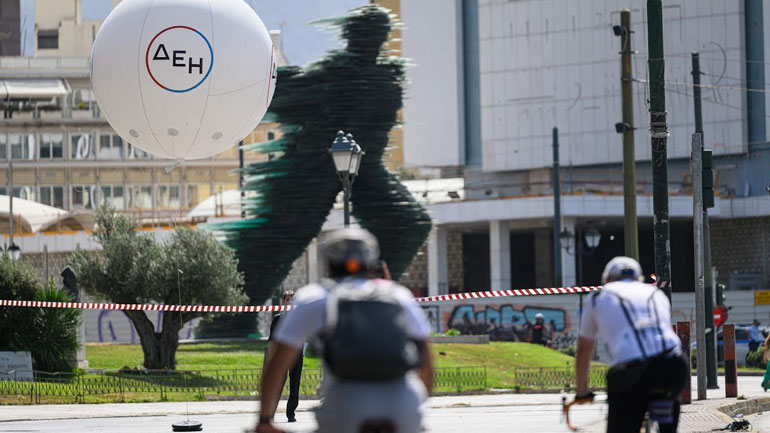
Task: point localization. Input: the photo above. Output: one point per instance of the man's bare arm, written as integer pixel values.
(585, 351)
(426, 371)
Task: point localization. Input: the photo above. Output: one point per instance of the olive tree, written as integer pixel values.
(133, 268)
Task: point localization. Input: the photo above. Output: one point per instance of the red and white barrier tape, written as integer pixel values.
(506, 293)
(147, 307)
(265, 308)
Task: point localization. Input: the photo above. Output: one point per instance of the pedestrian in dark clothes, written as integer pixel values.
(295, 373)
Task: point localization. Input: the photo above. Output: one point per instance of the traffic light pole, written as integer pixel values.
(631, 228)
(659, 135)
(711, 334)
(697, 215)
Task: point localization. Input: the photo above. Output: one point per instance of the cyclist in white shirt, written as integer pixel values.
(647, 371)
(358, 405)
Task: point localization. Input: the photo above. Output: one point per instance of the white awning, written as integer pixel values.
(36, 88)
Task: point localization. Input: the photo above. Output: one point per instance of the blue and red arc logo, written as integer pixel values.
(176, 59)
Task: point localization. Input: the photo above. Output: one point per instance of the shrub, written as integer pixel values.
(452, 332)
(53, 334)
(49, 333)
(754, 359)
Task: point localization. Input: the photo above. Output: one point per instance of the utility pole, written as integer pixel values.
(240, 179)
(631, 228)
(659, 135)
(711, 355)
(700, 304)
(10, 200)
(556, 212)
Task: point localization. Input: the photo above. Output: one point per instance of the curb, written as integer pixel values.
(746, 407)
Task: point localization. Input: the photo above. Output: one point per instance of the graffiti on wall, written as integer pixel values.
(113, 326)
(510, 322)
(431, 313)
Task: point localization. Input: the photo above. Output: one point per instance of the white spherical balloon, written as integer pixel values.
(183, 79)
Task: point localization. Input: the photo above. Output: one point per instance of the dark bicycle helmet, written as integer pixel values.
(353, 249)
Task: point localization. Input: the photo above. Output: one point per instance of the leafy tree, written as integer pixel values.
(134, 269)
(49, 333)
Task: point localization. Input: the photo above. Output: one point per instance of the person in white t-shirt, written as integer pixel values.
(351, 406)
(647, 371)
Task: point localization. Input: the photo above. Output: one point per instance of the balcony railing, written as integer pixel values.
(44, 63)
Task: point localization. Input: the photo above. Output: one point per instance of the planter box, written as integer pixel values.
(461, 339)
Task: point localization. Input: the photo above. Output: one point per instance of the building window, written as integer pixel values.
(270, 135)
(140, 197)
(82, 146)
(22, 145)
(3, 146)
(3, 191)
(82, 197)
(52, 196)
(51, 145)
(110, 146)
(192, 196)
(136, 153)
(112, 196)
(25, 192)
(168, 197)
(48, 39)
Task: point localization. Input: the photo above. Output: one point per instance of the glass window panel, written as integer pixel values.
(28, 146)
(117, 197)
(16, 149)
(58, 197)
(81, 146)
(192, 193)
(82, 197)
(173, 196)
(45, 151)
(136, 153)
(3, 146)
(117, 147)
(17, 191)
(45, 195)
(3, 190)
(77, 196)
(104, 146)
(28, 193)
(57, 145)
(106, 193)
(141, 197)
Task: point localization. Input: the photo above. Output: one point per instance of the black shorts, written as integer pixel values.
(632, 386)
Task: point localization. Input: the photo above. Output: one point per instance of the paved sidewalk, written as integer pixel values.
(445, 413)
(120, 410)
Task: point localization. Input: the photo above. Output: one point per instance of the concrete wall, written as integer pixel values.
(741, 245)
(542, 69)
(433, 108)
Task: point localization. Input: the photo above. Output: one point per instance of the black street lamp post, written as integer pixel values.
(347, 155)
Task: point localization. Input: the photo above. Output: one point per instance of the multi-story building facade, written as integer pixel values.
(64, 153)
(491, 79)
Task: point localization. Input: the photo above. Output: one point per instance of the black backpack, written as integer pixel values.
(365, 337)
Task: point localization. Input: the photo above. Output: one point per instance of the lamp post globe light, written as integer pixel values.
(593, 237)
(14, 252)
(347, 155)
(567, 240)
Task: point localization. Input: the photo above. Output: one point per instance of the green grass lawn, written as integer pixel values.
(500, 359)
